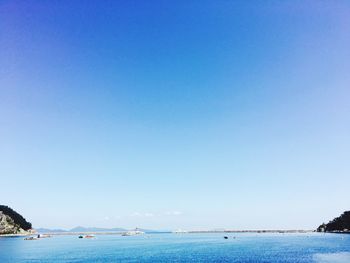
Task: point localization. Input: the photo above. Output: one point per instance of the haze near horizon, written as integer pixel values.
(189, 114)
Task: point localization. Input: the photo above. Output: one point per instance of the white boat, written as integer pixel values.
(133, 232)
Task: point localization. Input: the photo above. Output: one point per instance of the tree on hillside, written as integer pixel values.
(341, 223)
(17, 218)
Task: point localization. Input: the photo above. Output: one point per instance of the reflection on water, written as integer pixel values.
(245, 247)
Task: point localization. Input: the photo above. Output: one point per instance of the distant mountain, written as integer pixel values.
(95, 229)
(153, 231)
(47, 230)
(11, 222)
(338, 224)
(79, 229)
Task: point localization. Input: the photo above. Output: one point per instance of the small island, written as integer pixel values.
(339, 224)
(12, 223)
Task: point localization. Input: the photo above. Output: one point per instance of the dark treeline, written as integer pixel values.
(17, 218)
(340, 223)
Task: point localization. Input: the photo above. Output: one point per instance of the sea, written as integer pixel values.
(186, 247)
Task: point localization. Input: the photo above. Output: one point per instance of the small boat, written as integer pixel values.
(31, 238)
(226, 237)
(133, 232)
(43, 236)
(86, 236)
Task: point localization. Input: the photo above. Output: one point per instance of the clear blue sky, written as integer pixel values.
(175, 114)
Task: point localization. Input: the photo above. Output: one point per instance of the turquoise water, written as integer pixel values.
(247, 247)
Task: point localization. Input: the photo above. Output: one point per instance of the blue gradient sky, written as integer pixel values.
(191, 114)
